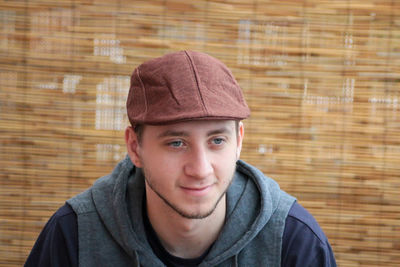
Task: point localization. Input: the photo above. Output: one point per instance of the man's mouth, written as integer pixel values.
(197, 191)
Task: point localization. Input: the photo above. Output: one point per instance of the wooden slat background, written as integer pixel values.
(321, 77)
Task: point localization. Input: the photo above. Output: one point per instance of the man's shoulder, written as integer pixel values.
(57, 244)
(83, 202)
(304, 243)
(64, 211)
(300, 218)
(62, 219)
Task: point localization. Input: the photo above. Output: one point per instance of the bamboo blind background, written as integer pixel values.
(321, 77)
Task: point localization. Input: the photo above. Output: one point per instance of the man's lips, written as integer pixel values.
(197, 191)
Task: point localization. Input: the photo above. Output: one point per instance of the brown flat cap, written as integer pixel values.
(184, 86)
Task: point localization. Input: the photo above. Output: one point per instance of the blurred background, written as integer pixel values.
(322, 79)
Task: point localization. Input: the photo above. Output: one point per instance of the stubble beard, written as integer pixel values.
(179, 211)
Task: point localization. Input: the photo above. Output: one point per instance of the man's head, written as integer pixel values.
(185, 109)
(189, 165)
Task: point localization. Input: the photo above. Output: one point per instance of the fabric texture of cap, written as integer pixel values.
(183, 86)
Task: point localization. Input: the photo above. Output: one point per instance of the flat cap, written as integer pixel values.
(184, 86)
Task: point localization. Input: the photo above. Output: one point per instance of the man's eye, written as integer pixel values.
(175, 143)
(218, 141)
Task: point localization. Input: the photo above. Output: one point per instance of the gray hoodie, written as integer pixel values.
(111, 230)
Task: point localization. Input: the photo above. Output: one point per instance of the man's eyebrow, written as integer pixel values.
(172, 133)
(219, 131)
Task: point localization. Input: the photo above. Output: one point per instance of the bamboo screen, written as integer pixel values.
(321, 77)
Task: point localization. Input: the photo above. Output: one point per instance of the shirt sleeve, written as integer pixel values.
(57, 244)
(304, 243)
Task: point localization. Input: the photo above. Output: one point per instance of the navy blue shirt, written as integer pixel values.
(304, 243)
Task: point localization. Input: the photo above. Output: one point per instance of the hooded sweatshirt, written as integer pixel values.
(111, 230)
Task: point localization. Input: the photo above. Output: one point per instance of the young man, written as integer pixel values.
(182, 197)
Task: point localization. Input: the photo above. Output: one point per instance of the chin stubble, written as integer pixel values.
(176, 208)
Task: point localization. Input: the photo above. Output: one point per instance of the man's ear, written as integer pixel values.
(133, 146)
(240, 136)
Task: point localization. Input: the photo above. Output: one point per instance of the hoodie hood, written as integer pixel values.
(252, 200)
(117, 200)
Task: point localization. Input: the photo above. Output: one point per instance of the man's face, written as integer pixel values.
(188, 166)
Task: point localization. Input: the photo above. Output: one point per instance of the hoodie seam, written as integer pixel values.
(85, 212)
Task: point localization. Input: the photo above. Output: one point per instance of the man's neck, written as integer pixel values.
(183, 237)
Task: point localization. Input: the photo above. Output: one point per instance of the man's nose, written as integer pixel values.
(198, 163)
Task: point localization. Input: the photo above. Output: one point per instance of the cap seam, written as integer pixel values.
(172, 94)
(144, 95)
(197, 81)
